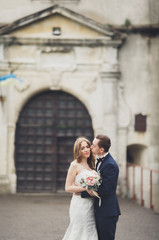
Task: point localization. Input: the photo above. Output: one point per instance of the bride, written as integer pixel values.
(82, 221)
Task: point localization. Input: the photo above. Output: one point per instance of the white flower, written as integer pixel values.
(92, 181)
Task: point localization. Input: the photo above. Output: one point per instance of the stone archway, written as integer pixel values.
(46, 129)
(136, 154)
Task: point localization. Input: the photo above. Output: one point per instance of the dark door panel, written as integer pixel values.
(46, 130)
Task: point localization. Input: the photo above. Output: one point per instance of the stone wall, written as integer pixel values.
(106, 11)
(126, 74)
(139, 62)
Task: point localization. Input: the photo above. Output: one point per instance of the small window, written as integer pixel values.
(140, 123)
(56, 31)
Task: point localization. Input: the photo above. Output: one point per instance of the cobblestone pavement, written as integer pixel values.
(45, 217)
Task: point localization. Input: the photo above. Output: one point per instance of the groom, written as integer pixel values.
(108, 212)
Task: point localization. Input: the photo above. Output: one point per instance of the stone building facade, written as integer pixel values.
(86, 69)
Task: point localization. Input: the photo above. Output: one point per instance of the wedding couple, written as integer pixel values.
(90, 220)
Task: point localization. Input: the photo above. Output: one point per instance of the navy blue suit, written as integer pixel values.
(107, 214)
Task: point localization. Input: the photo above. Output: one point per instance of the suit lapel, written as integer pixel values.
(105, 158)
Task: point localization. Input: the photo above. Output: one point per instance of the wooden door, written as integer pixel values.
(46, 130)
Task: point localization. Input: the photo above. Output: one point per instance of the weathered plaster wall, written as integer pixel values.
(88, 73)
(139, 60)
(117, 11)
(106, 11)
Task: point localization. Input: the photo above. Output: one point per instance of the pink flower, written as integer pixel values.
(92, 181)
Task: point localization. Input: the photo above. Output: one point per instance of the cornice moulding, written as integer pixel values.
(97, 42)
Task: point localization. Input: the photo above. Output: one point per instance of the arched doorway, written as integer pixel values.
(136, 153)
(46, 129)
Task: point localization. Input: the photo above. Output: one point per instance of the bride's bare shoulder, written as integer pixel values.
(73, 167)
(74, 164)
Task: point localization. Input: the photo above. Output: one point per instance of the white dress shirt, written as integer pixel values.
(101, 161)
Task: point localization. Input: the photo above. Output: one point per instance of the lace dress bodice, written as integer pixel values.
(82, 221)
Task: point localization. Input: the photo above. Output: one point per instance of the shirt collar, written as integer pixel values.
(101, 156)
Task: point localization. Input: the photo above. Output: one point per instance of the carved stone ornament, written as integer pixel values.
(63, 49)
(90, 83)
(22, 86)
(55, 80)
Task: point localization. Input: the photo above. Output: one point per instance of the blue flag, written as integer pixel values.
(9, 79)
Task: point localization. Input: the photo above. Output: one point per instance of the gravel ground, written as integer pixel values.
(45, 217)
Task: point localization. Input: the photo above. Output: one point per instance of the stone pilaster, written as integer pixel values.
(4, 180)
(124, 118)
(109, 105)
(11, 163)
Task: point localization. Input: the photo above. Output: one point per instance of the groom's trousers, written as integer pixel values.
(106, 227)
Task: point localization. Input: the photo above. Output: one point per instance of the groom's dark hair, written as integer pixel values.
(104, 142)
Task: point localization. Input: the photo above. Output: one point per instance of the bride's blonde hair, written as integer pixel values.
(78, 154)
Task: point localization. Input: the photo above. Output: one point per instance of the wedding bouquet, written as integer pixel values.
(92, 180)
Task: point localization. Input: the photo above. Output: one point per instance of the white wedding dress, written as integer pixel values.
(82, 221)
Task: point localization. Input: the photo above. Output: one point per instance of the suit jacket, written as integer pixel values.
(107, 191)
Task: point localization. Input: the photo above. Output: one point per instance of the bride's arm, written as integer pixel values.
(69, 186)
